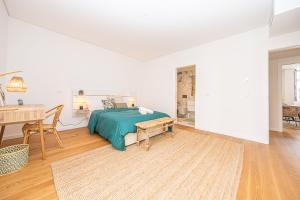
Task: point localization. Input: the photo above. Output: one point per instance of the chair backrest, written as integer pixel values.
(56, 111)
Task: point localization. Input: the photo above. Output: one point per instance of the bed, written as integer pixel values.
(118, 125)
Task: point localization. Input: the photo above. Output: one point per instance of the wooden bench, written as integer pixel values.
(151, 126)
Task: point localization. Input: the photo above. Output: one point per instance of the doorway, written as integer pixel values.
(290, 95)
(284, 89)
(185, 95)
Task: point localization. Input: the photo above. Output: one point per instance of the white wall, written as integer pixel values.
(55, 64)
(231, 85)
(288, 95)
(3, 37)
(275, 96)
(275, 90)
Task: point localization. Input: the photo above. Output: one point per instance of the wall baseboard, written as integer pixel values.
(19, 134)
(238, 136)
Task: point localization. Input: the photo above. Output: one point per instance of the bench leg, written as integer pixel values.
(172, 133)
(166, 129)
(137, 137)
(147, 141)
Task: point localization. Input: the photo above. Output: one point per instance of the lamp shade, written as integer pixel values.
(131, 101)
(16, 84)
(80, 103)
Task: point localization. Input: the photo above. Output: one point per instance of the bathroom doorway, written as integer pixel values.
(185, 95)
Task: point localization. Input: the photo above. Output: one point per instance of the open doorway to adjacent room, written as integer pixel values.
(291, 95)
(284, 96)
(185, 96)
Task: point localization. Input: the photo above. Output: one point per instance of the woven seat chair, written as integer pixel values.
(29, 129)
(291, 114)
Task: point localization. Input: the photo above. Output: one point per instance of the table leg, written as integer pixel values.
(42, 138)
(1, 134)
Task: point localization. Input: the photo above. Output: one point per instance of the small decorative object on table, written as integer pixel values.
(20, 102)
(13, 158)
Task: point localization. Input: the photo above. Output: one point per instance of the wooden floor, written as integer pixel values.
(269, 171)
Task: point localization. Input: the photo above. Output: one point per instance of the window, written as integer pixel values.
(291, 83)
(297, 84)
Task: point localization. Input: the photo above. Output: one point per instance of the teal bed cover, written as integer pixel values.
(114, 124)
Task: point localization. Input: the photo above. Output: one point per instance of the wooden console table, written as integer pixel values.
(14, 114)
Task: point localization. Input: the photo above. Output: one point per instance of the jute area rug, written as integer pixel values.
(187, 166)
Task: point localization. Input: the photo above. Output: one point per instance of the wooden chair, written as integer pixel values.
(290, 113)
(28, 129)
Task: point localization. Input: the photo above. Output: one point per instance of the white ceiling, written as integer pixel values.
(281, 6)
(286, 22)
(144, 29)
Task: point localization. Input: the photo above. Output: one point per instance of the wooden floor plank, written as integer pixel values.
(269, 171)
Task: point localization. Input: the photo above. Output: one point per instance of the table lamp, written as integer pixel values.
(131, 101)
(16, 84)
(81, 102)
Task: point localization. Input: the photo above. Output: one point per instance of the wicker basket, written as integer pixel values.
(13, 158)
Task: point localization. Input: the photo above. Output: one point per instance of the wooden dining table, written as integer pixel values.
(17, 114)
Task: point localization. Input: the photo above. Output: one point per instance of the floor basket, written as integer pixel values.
(13, 158)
